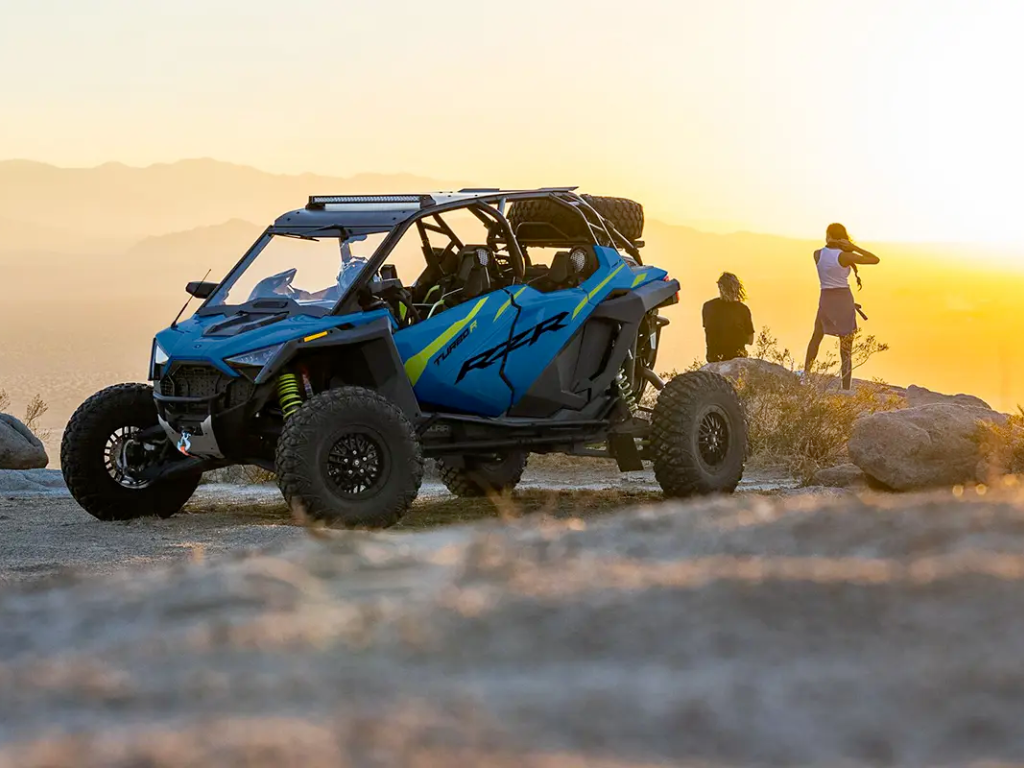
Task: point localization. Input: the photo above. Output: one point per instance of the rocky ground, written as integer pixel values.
(44, 533)
(775, 630)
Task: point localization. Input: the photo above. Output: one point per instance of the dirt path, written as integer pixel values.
(44, 533)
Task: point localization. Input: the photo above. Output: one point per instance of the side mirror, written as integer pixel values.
(389, 272)
(200, 290)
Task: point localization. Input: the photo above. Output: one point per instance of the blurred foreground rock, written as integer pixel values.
(729, 632)
(19, 448)
(924, 447)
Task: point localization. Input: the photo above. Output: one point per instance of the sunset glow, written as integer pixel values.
(898, 117)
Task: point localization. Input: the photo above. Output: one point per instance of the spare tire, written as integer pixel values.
(544, 219)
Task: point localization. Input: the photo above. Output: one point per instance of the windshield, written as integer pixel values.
(306, 270)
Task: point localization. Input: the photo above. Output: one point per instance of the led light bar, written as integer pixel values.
(319, 201)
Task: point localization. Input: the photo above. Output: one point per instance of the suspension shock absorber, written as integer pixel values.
(626, 389)
(289, 393)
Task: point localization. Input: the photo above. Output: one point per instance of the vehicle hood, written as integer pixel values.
(192, 340)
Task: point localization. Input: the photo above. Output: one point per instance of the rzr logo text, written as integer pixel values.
(525, 339)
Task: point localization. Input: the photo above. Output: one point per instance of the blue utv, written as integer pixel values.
(312, 358)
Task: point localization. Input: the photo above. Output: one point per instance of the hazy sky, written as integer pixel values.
(900, 117)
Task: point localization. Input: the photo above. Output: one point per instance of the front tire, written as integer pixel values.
(482, 477)
(349, 457)
(698, 436)
(92, 443)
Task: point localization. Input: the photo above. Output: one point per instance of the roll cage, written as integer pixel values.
(348, 215)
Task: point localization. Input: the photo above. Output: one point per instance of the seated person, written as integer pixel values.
(728, 326)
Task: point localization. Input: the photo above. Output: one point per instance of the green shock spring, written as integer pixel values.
(289, 394)
(626, 391)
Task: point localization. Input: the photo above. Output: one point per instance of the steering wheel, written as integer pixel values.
(269, 286)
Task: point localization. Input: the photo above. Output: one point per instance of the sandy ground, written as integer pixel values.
(752, 630)
(44, 533)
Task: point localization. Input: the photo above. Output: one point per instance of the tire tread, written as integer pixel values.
(676, 468)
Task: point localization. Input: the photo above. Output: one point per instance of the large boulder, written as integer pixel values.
(924, 447)
(19, 448)
(750, 370)
(917, 396)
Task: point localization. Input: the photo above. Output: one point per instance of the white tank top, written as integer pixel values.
(830, 272)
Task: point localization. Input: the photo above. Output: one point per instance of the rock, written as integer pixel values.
(750, 369)
(32, 481)
(19, 448)
(842, 476)
(924, 447)
(921, 396)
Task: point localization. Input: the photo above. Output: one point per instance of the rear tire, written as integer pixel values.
(698, 436)
(481, 478)
(626, 215)
(91, 433)
(349, 457)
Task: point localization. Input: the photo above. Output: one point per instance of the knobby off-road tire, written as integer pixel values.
(481, 477)
(626, 215)
(349, 457)
(698, 436)
(84, 462)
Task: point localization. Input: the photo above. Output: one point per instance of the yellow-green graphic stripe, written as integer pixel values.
(593, 293)
(416, 364)
(507, 304)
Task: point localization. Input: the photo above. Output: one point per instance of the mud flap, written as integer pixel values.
(623, 448)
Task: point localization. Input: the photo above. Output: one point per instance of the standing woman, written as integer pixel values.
(837, 311)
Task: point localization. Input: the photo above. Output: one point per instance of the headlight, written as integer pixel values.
(258, 357)
(157, 358)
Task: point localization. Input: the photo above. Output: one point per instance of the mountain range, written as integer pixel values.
(93, 262)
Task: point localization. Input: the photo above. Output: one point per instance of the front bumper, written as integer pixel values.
(193, 438)
(196, 402)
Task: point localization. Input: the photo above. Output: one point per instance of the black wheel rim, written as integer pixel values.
(713, 437)
(491, 461)
(357, 465)
(115, 458)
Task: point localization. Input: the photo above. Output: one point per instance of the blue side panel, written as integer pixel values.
(454, 360)
(548, 320)
(446, 357)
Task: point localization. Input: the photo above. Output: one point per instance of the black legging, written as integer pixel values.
(845, 354)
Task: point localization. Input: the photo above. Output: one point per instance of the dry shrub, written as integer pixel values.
(805, 425)
(1002, 445)
(33, 411)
